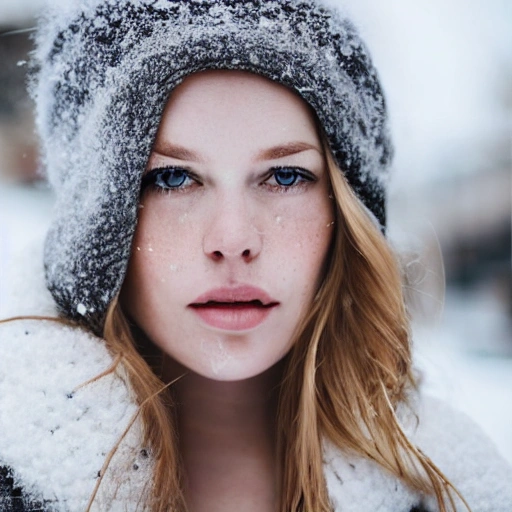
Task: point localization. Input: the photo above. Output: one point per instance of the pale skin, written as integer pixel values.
(224, 265)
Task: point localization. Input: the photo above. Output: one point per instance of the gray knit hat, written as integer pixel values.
(104, 70)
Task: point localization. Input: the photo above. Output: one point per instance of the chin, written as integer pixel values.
(226, 372)
(228, 369)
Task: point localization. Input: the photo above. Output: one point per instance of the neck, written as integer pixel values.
(219, 410)
(227, 433)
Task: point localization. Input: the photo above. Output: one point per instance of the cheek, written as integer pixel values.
(299, 237)
(163, 242)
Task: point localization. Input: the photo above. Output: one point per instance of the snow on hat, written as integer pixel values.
(104, 71)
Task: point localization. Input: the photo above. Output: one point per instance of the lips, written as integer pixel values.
(234, 309)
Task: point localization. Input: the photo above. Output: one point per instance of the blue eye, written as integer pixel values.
(285, 176)
(289, 176)
(171, 178)
(168, 178)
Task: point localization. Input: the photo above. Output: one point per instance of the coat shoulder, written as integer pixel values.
(58, 425)
(451, 440)
(465, 454)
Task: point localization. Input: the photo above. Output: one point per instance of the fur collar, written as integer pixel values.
(55, 435)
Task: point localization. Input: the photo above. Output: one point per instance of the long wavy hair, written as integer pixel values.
(343, 381)
(345, 376)
(347, 372)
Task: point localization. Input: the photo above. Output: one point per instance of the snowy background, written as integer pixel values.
(446, 66)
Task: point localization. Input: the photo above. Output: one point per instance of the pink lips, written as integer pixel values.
(234, 309)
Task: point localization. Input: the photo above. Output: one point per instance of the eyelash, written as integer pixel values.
(158, 179)
(300, 178)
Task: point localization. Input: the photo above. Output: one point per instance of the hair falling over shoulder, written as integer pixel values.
(354, 356)
(347, 372)
(156, 410)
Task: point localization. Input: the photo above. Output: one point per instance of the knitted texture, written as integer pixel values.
(56, 433)
(104, 72)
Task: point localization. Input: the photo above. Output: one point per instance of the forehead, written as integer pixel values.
(236, 105)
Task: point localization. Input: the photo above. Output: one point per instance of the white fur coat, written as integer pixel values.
(56, 435)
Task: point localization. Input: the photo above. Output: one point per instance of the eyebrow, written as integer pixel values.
(283, 150)
(280, 151)
(178, 152)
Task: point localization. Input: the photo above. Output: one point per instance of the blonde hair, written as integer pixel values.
(348, 370)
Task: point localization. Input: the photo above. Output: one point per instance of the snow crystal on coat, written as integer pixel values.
(56, 433)
(452, 441)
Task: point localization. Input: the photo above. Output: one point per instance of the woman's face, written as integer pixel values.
(234, 225)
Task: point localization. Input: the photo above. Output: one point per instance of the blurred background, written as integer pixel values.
(446, 66)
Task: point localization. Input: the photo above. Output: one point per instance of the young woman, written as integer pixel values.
(225, 328)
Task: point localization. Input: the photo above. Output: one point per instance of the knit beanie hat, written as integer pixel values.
(103, 72)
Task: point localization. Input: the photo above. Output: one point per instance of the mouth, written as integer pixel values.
(234, 305)
(234, 309)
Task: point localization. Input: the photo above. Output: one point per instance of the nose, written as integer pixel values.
(232, 233)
